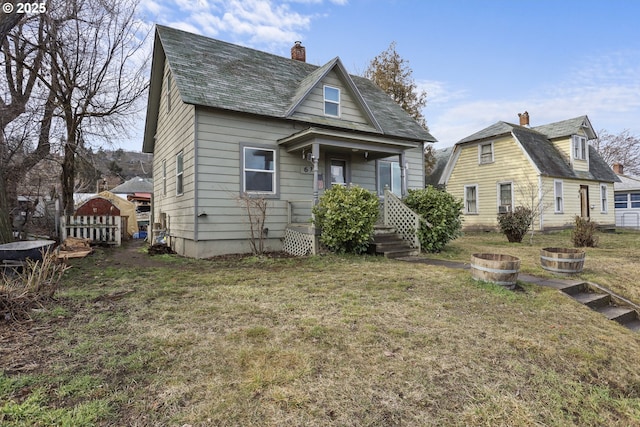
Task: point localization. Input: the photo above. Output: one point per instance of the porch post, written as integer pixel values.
(403, 175)
(315, 156)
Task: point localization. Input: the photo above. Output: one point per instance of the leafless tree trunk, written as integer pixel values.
(256, 208)
(22, 58)
(95, 73)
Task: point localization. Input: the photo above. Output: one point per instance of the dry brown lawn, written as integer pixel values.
(322, 341)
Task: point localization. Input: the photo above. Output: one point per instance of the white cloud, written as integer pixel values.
(606, 88)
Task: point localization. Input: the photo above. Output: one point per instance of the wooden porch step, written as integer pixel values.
(388, 243)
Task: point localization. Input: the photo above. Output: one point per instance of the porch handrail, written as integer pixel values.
(402, 218)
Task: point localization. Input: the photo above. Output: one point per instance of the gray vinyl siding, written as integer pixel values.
(220, 137)
(175, 133)
(314, 103)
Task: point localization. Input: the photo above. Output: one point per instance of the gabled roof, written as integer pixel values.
(627, 183)
(135, 185)
(213, 73)
(546, 157)
(568, 127)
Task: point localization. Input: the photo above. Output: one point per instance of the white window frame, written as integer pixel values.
(616, 200)
(604, 199)
(273, 172)
(466, 206)
(164, 177)
(180, 173)
(392, 164)
(331, 101)
(558, 199)
(579, 148)
(481, 161)
(499, 194)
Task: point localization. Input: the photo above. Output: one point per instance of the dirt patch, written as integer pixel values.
(130, 254)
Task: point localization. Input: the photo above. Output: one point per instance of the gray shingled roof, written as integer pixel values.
(546, 157)
(442, 157)
(135, 185)
(217, 74)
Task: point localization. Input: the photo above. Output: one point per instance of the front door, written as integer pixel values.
(584, 201)
(338, 172)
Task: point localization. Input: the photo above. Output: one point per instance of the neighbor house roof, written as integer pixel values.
(134, 185)
(627, 183)
(544, 154)
(213, 73)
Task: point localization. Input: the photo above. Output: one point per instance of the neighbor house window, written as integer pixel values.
(179, 173)
(471, 199)
(603, 198)
(259, 170)
(331, 101)
(164, 177)
(505, 197)
(621, 201)
(389, 176)
(579, 147)
(558, 196)
(485, 153)
(635, 200)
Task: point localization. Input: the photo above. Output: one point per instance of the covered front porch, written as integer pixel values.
(374, 162)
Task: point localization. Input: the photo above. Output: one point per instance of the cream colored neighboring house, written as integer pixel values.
(552, 168)
(225, 121)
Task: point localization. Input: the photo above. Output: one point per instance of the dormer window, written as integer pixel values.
(579, 147)
(485, 153)
(331, 101)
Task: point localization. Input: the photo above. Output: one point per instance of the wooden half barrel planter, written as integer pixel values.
(562, 260)
(496, 268)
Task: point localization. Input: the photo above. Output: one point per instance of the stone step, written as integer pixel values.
(634, 325)
(401, 253)
(621, 315)
(574, 288)
(592, 299)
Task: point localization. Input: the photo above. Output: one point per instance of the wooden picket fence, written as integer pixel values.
(105, 229)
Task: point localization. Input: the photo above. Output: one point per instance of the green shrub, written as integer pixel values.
(346, 217)
(515, 224)
(441, 211)
(583, 235)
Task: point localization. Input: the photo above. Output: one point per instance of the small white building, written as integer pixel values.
(626, 199)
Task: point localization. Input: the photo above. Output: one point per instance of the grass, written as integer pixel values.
(612, 264)
(344, 341)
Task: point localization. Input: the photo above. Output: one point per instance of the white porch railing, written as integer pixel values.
(98, 229)
(402, 218)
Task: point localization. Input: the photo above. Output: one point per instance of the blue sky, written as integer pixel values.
(480, 61)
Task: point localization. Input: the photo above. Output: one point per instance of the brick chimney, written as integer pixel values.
(524, 119)
(298, 52)
(618, 168)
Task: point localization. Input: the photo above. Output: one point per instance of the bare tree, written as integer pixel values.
(256, 208)
(26, 111)
(392, 74)
(96, 73)
(623, 148)
(533, 196)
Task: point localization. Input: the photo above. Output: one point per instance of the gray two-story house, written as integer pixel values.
(226, 122)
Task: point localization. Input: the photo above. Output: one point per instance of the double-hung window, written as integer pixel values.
(259, 170)
(485, 153)
(331, 101)
(471, 199)
(621, 201)
(179, 173)
(558, 196)
(579, 147)
(603, 198)
(389, 176)
(505, 197)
